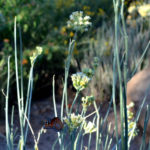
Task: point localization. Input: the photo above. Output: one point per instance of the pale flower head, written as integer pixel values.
(74, 121)
(80, 81)
(78, 21)
(89, 127)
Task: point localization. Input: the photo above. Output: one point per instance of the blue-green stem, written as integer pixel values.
(54, 101)
(67, 66)
(97, 131)
(28, 91)
(141, 59)
(74, 101)
(114, 95)
(12, 131)
(125, 74)
(21, 69)
(18, 90)
(6, 109)
(55, 111)
(29, 101)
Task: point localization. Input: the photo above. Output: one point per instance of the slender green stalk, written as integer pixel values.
(114, 99)
(125, 73)
(6, 109)
(54, 101)
(28, 92)
(67, 66)
(18, 91)
(55, 111)
(97, 131)
(74, 101)
(28, 100)
(12, 131)
(21, 70)
(30, 97)
(141, 59)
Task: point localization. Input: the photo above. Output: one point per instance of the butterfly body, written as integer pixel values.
(54, 123)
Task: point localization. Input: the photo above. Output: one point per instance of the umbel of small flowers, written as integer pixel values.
(79, 22)
(89, 127)
(87, 101)
(80, 81)
(75, 121)
(131, 123)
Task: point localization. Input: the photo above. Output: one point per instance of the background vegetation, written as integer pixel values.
(44, 23)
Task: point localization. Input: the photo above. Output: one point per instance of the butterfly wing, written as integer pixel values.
(57, 124)
(54, 123)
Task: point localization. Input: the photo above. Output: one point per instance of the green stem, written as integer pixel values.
(6, 110)
(114, 91)
(125, 74)
(21, 69)
(67, 66)
(74, 101)
(97, 131)
(55, 111)
(18, 90)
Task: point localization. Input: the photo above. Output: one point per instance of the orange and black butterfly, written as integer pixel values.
(54, 123)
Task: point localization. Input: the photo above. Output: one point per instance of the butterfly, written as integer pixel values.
(54, 123)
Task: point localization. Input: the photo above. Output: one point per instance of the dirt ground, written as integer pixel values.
(42, 110)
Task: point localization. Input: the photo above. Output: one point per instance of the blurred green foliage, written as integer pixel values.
(43, 22)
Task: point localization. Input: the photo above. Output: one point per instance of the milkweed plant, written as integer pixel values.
(76, 123)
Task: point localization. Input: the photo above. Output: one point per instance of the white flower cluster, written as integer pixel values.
(74, 121)
(89, 127)
(78, 22)
(80, 81)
